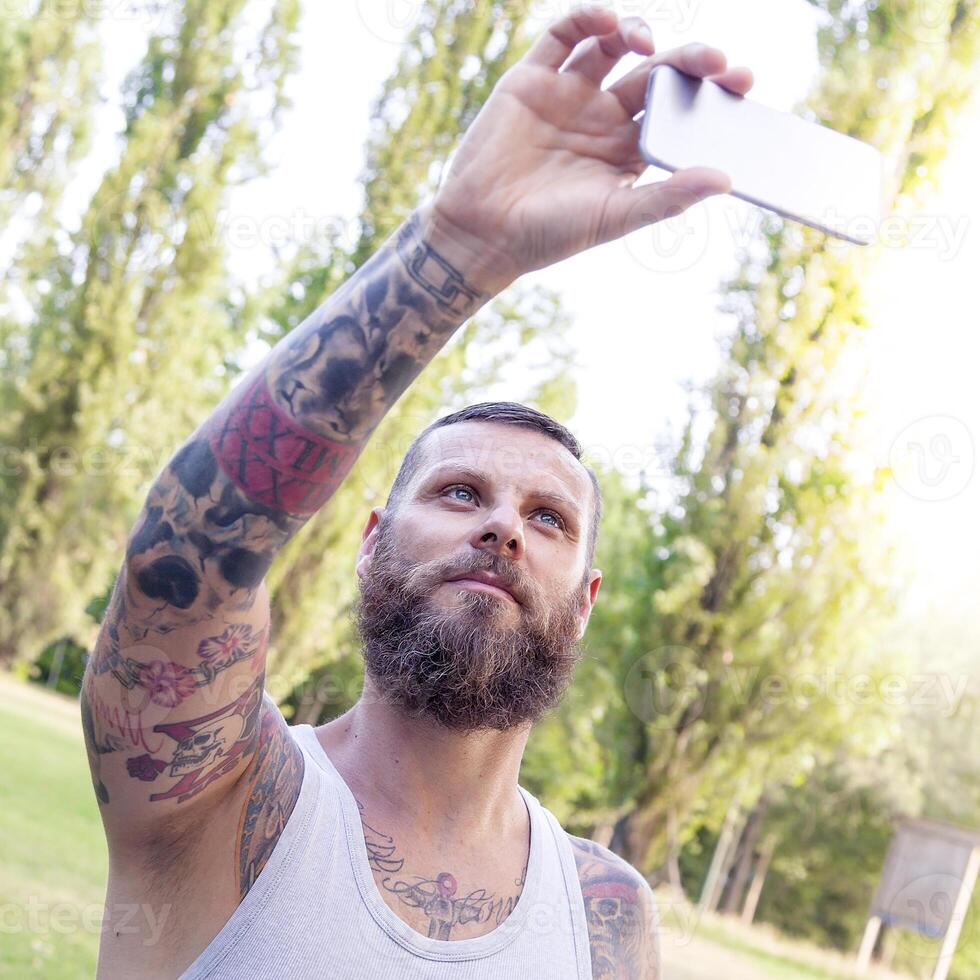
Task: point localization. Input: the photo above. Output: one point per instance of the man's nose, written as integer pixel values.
(502, 533)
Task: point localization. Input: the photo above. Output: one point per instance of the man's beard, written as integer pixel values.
(463, 667)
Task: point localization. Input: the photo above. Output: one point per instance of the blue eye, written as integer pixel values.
(460, 487)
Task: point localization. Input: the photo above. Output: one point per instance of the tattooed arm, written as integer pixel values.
(177, 726)
(173, 705)
(621, 913)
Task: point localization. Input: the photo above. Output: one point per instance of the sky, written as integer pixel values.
(645, 317)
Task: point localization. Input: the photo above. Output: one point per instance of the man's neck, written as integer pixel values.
(441, 782)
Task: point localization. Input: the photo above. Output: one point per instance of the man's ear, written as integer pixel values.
(369, 538)
(588, 600)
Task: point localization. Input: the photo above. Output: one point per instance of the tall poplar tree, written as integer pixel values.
(48, 86)
(769, 563)
(49, 62)
(123, 350)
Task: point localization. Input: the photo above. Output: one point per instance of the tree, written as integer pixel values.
(827, 834)
(133, 315)
(769, 563)
(48, 65)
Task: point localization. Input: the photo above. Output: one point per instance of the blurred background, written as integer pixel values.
(780, 668)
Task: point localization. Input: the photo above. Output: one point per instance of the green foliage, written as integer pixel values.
(47, 62)
(836, 830)
(64, 660)
(753, 565)
(124, 324)
(742, 618)
(833, 833)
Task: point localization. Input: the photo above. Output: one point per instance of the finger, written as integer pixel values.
(699, 60)
(553, 47)
(738, 80)
(594, 59)
(636, 207)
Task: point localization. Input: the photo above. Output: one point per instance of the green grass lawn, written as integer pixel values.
(53, 869)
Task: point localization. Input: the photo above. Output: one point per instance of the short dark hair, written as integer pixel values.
(505, 413)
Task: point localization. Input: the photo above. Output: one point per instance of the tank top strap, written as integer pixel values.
(563, 865)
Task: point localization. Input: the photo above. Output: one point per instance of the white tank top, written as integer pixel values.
(314, 911)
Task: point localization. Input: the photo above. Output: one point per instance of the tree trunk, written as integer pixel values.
(711, 890)
(673, 852)
(618, 839)
(758, 879)
(746, 856)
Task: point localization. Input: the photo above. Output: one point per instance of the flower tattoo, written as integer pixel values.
(166, 683)
(235, 643)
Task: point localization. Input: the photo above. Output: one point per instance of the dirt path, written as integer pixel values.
(700, 959)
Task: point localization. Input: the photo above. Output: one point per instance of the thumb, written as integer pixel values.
(646, 205)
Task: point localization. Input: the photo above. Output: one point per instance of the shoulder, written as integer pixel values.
(621, 914)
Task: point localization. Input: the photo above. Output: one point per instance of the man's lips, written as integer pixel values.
(485, 579)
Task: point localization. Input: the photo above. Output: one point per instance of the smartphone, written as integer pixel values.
(776, 160)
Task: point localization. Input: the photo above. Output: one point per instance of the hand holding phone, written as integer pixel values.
(801, 170)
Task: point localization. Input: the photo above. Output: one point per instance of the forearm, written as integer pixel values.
(338, 373)
(279, 445)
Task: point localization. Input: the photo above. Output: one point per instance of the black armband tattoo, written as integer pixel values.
(433, 273)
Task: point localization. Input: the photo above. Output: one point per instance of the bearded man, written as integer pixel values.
(395, 840)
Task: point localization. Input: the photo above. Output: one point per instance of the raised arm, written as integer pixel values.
(173, 697)
(173, 704)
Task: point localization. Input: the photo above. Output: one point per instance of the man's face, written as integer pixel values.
(489, 501)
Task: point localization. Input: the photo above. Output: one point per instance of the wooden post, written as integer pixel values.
(871, 931)
(960, 907)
